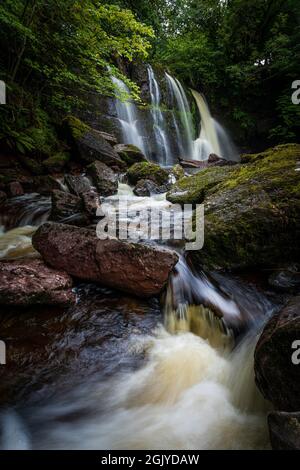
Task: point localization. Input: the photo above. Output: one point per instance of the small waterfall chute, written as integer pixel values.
(207, 141)
(159, 126)
(128, 116)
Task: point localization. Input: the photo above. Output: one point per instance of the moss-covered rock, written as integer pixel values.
(252, 211)
(130, 154)
(177, 171)
(76, 127)
(90, 145)
(193, 189)
(147, 171)
(57, 162)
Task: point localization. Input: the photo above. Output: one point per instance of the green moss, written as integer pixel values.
(130, 154)
(146, 170)
(252, 214)
(177, 171)
(56, 162)
(77, 128)
(193, 189)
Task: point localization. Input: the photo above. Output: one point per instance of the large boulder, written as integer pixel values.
(147, 171)
(91, 145)
(31, 282)
(252, 210)
(139, 269)
(284, 429)
(103, 177)
(130, 154)
(277, 371)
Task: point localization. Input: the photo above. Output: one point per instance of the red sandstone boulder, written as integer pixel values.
(31, 282)
(139, 269)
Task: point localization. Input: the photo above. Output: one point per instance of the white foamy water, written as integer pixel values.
(183, 398)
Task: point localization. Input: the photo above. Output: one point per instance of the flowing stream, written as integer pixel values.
(114, 372)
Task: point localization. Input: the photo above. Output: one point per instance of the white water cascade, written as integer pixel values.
(207, 141)
(128, 117)
(163, 150)
(212, 137)
(187, 139)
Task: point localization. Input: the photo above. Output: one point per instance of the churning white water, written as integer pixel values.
(184, 397)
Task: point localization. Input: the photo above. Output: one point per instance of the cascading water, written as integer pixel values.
(187, 138)
(163, 150)
(194, 390)
(128, 117)
(212, 138)
(208, 141)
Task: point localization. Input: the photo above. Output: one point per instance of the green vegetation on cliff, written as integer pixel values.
(52, 54)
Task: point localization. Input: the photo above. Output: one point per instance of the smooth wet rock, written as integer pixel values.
(104, 178)
(284, 429)
(67, 208)
(130, 154)
(138, 269)
(277, 367)
(252, 211)
(77, 184)
(110, 138)
(91, 145)
(286, 280)
(147, 188)
(90, 203)
(216, 160)
(148, 171)
(15, 189)
(31, 282)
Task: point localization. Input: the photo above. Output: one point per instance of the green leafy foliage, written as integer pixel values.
(53, 53)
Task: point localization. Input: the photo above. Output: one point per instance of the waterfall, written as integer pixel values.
(128, 117)
(186, 141)
(212, 138)
(159, 126)
(208, 141)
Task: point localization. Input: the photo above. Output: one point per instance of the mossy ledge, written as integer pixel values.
(252, 211)
(149, 171)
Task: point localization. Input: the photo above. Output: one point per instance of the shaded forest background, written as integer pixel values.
(242, 54)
